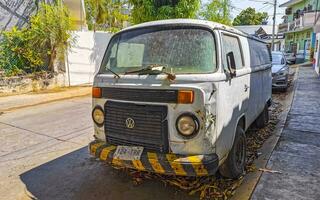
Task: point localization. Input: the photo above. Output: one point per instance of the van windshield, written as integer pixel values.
(179, 50)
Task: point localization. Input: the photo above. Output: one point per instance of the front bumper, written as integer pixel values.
(169, 164)
(280, 81)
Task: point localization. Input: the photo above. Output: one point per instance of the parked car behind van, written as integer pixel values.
(280, 71)
(290, 57)
(177, 96)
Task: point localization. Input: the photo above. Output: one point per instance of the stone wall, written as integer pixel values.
(30, 83)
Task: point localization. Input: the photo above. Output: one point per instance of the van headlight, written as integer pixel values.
(187, 125)
(98, 116)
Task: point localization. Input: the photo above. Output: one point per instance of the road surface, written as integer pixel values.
(43, 154)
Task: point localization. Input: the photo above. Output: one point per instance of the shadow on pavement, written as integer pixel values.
(77, 176)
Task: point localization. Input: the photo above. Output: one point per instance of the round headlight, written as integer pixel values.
(98, 116)
(187, 125)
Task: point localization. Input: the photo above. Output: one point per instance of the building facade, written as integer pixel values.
(300, 25)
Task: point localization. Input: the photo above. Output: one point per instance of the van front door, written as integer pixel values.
(233, 94)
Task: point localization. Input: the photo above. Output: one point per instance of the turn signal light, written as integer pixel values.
(185, 96)
(96, 92)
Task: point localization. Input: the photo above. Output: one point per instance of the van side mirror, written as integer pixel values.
(231, 64)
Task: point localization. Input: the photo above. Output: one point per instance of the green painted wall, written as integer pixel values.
(298, 38)
(314, 3)
(301, 5)
(296, 7)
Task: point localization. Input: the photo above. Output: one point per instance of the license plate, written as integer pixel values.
(128, 153)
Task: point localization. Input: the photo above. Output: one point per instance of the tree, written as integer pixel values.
(106, 14)
(150, 10)
(217, 11)
(249, 16)
(50, 29)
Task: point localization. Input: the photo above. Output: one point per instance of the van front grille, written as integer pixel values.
(142, 95)
(150, 125)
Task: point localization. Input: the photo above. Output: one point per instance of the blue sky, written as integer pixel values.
(258, 5)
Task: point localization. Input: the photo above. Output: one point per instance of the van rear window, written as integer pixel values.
(180, 50)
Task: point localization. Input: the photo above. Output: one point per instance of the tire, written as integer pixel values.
(233, 167)
(263, 118)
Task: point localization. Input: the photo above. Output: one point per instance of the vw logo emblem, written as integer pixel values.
(130, 123)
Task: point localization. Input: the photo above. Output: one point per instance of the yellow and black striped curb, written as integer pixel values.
(170, 164)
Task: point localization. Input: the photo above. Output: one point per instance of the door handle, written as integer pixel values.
(246, 87)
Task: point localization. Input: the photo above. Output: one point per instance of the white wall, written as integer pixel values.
(84, 59)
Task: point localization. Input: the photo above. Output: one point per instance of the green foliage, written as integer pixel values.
(249, 16)
(106, 14)
(17, 55)
(36, 47)
(50, 30)
(217, 11)
(147, 10)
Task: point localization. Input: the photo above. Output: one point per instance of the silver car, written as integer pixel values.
(291, 58)
(280, 71)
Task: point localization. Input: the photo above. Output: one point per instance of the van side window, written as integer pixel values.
(231, 43)
(259, 53)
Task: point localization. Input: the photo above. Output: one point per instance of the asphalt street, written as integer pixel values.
(43, 155)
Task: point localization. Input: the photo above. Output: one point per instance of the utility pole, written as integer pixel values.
(274, 18)
(316, 13)
(274, 23)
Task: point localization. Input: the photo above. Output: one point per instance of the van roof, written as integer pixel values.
(194, 22)
(199, 22)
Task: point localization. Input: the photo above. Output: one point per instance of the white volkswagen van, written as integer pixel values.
(176, 97)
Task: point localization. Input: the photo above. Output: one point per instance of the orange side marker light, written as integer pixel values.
(96, 92)
(185, 96)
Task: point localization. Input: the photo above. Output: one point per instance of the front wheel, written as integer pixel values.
(234, 165)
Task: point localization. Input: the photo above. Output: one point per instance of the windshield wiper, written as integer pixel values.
(114, 73)
(145, 70)
(153, 69)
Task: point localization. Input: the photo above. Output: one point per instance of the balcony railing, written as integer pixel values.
(305, 20)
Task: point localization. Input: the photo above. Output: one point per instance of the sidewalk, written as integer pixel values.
(8, 103)
(297, 155)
